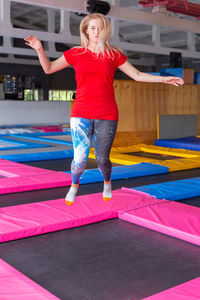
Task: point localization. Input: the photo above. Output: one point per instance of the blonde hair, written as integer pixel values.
(104, 38)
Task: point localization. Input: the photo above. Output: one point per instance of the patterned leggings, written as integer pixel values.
(82, 131)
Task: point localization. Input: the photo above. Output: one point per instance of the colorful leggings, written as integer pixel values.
(82, 131)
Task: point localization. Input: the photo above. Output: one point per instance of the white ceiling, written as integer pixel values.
(33, 17)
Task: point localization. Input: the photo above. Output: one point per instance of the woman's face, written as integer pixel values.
(93, 30)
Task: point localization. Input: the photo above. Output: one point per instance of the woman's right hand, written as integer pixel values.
(33, 42)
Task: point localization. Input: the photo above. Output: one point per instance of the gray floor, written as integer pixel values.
(111, 260)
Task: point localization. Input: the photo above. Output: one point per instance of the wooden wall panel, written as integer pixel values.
(131, 138)
(139, 103)
(198, 107)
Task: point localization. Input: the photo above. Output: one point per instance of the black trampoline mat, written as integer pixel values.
(152, 155)
(110, 260)
(195, 201)
(62, 164)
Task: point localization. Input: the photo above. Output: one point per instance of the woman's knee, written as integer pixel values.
(78, 167)
(103, 162)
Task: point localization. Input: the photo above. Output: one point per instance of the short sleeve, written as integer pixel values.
(69, 56)
(120, 59)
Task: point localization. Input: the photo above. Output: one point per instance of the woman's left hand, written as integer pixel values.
(173, 80)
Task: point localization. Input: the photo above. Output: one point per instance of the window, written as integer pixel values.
(60, 95)
(31, 95)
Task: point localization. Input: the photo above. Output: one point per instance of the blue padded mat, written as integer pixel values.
(196, 78)
(41, 133)
(177, 72)
(20, 144)
(23, 134)
(123, 172)
(48, 140)
(190, 143)
(39, 156)
(173, 190)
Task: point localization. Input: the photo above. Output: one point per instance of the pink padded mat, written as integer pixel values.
(41, 217)
(20, 178)
(16, 286)
(175, 219)
(187, 291)
(55, 128)
(168, 217)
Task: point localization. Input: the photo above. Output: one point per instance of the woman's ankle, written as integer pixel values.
(75, 185)
(70, 197)
(107, 190)
(107, 182)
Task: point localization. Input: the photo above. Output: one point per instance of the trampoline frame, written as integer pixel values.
(28, 141)
(42, 138)
(17, 144)
(127, 212)
(20, 178)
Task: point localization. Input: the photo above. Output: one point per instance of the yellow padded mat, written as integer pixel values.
(183, 159)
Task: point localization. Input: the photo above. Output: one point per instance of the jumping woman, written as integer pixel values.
(94, 112)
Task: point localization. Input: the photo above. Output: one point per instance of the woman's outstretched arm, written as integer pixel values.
(135, 74)
(48, 67)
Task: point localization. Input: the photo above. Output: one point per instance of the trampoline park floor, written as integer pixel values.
(110, 260)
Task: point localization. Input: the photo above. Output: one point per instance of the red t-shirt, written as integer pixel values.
(95, 97)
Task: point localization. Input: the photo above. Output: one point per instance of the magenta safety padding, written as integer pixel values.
(18, 169)
(55, 128)
(16, 286)
(129, 190)
(187, 291)
(8, 174)
(171, 218)
(26, 220)
(20, 178)
(43, 181)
